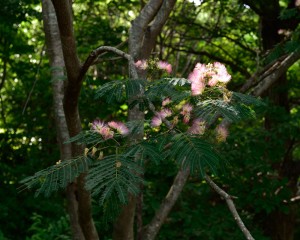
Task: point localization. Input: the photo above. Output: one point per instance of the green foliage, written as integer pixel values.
(146, 151)
(194, 153)
(114, 174)
(289, 13)
(113, 91)
(42, 230)
(167, 87)
(213, 34)
(86, 137)
(57, 176)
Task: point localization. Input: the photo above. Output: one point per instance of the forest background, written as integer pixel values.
(259, 43)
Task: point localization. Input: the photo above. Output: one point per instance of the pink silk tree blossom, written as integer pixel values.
(141, 64)
(166, 101)
(101, 128)
(222, 133)
(120, 127)
(164, 66)
(198, 127)
(222, 74)
(186, 112)
(156, 121)
(197, 79)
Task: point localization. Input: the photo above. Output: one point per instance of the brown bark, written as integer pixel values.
(63, 11)
(57, 78)
(142, 37)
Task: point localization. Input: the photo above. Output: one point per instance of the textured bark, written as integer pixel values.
(57, 79)
(142, 36)
(63, 11)
(262, 80)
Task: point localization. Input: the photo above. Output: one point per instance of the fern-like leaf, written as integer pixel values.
(134, 87)
(209, 110)
(246, 99)
(167, 87)
(145, 151)
(86, 137)
(114, 174)
(58, 176)
(113, 91)
(193, 152)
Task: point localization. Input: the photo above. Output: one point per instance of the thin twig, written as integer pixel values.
(231, 207)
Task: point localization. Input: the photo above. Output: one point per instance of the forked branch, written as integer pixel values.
(231, 207)
(97, 52)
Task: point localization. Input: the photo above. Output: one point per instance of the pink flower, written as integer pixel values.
(186, 112)
(197, 78)
(166, 101)
(97, 125)
(156, 121)
(164, 66)
(101, 128)
(186, 118)
(197, 88)
(213, 80)
(120, 127)
(222, 133)
(186, 109)
(198, 127)
(106, 133)
(141, 64)
(166, 112)
(222, 74)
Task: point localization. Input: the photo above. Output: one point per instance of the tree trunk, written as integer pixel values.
(57, 79)
(278, 225)
(142, 38)
(63, 10)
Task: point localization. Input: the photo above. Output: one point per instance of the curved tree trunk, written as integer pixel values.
(57, 79)
(63, 10)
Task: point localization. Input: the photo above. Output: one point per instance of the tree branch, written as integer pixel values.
(265, 78)
(231, 207)
(151, 230)
(139, 25)
(155, 28)
(63, 11)
(95, 54)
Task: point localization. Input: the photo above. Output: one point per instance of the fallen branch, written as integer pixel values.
(231, 207)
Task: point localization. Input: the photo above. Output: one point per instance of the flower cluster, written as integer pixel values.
(108, 130)
(222, 133)
(160, 116)
(196, 126)
(143, 65)
(186, 112)
(209, 74)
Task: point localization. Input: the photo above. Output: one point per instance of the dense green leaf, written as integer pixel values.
(57, 176)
